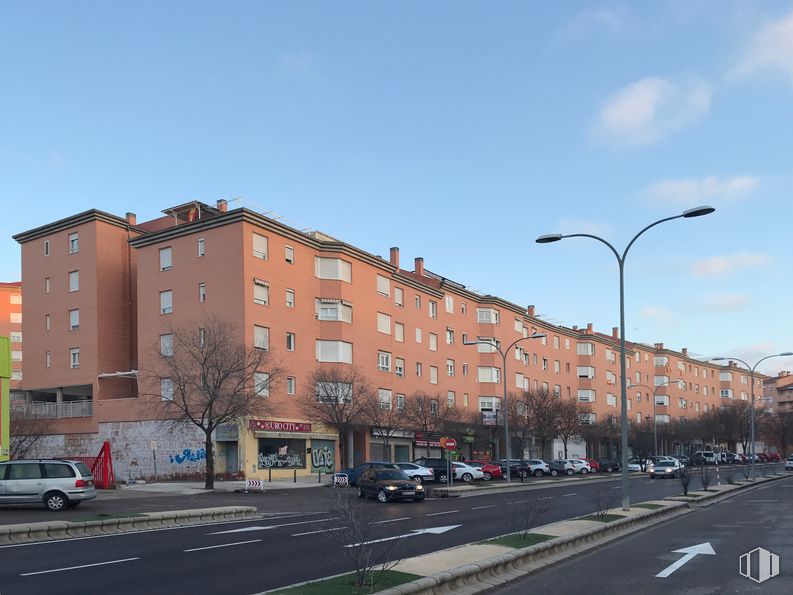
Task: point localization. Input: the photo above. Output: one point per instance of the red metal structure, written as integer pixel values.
(101, 467)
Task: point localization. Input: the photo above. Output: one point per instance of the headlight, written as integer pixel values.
(419, 488)
(669, 469)
(391, 488)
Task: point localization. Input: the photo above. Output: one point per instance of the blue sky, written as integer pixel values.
(458, 131)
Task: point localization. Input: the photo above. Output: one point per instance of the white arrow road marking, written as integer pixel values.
(267, 527)
(690, 552)
(433, 530)
(78, 567)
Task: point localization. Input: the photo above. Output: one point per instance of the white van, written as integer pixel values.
(707, 457)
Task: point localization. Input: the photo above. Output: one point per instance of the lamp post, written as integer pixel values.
(503, 353)
(751, 381)
(655, 417)
(546, 239)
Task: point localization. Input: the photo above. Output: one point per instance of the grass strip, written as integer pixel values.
(345, 585)
(518, 540)
(649, 506)
(606, 518)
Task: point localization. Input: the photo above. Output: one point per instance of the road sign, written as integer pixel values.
(448, 443)
(690, 552)
(254, 484)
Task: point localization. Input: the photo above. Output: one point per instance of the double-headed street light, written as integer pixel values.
(751, 380)
(545, 239)
(655, 417)
(503, 353)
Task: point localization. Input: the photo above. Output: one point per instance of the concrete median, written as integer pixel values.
(52, 530)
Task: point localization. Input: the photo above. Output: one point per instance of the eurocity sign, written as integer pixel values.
(268, 425)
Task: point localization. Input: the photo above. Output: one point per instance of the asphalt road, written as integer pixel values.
(293, 543)
(761, 517)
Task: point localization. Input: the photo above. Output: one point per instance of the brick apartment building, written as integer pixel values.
(11, 327)
(102, 290)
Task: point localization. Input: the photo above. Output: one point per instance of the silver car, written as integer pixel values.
(57, 483)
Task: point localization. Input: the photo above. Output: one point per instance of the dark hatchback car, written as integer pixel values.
(389, 484)
(559, 468)
(438, 465)
(354, 473)
(609, 465)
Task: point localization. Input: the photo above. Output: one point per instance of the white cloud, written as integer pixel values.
(567, 226)
(724, 302)
(649, 110)
(771, 48)
(692, 191)
(725, 265)
(659, 313)
(594, 21)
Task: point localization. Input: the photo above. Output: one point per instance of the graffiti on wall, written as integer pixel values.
(188, 455)
(322, 457)
(280, 460)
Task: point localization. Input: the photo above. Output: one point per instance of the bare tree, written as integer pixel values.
(778, 428)
(429, 414)
(705, 476)
(25, 430)
(337, 397)
(603, 497)
(520, 420)
(544, 411)
(208, 377)
(386, 419)
(523, 515)
(569, 420)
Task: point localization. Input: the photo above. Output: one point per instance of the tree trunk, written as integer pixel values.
(564, 442)
(209, 484)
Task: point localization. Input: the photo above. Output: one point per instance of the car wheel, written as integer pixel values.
(486, 476)
(360, 492)
(568, 471)
(609, 469)
(55, 501)
(417, 478)
(382, 496)
(584, 471)
(554, 473)
(538, 473)
(467, 477)
(443, 477)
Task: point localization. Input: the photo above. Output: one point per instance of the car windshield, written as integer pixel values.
(476, 464)
(391, 474)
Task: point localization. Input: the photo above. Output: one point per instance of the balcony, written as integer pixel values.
(50, 410)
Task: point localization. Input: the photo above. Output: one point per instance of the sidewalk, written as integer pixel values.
(197, 487)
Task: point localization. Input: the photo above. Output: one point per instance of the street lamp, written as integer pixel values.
(546, 239)
(655, 417)
(504, 383)
(751, 381)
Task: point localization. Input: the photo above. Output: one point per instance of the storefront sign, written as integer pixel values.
(432, 439)
(268, 425)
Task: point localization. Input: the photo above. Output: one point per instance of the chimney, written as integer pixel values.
(132, 218)
(615, 332)
(784, 373)
(588, 328)
(575, 327)
(530, 311)
(685, 351)
(394, 256)
(419, 268)
(222, 205)
(659, 345)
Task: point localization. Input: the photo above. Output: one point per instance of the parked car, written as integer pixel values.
(388, 484)
(762, 457)
(465, 472)
(731, 458)
(684, 460)
(417, 473)
(609, 465)
(438, 465)
(774, 457)
(489, 470)
(580, 466)
(789, 463)
(635, 464)
(537, 468)
(353, 473)
(593, 464)
(56, 483)
(665, 467)
(560, 467)
(704, 457)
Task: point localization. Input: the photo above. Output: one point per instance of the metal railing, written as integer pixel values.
(57, 410)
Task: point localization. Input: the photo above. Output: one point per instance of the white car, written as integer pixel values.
(634, 466)
(417, 473)
(466, 472)
(580, 466)
(789, 464)
(665, 467)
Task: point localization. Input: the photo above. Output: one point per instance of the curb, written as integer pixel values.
(517, 486)
(50, 531)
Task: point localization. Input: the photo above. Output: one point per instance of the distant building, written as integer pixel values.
(11, 327)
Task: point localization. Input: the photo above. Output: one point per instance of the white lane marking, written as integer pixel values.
(444, 512)
(573, 494)
(481, 507)
(404, 518)
(212, 547)
(78, 567)
(433, 531)
(268, 527)
(760, 501)
(319, 531)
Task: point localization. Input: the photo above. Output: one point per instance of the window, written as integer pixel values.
(418, 335)
(450, 398)
(725, 393)
(260, 246)
(450, 367)
(587, 419)
(418, 369)
(449, 336)
(556, 342)
(46, 284)
(201, 247)
(463, 308)
(290, 385)
(16, 355)
(202, 292)
(328, 309)
(610, 356)
(166, 345)
(518, 325)
(433, 375)
(15, 317)
(611, 377)
(165, 259)
(399, 332)
(433, 308)
(545, 363)
(261, 337)
(487, 315)
(400, 402)
(585, 371)
(725, 376)
(585, 349)
(383, 285)
(489, 404)
(557, 390)
(399, 367)
(74, 358)
(332, 268)
(660, 380)
(418, 302)
(334, 351)
(399, 296)
(202, 337)
(74, 243)
(383, 323)
(557, 366)
(261, 292)
(16, 337)
(74, 281)
(660, 361)
(290, 341)
(465, 369)
(449, 304)
(487, 344)
(16, 374)
(48, 359)
(74, 320)
(261, 384)
(289, 254)
(519, 380)
(15, 298)
(383, 361)
(566, 343)
(46, 247)
(611, 400)
(166, 302)
(47, 322)
(166, 389)
(433, 342)
(290, 298)
(586, 396)
(384, 398)
(662, 400)
(489, 374)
